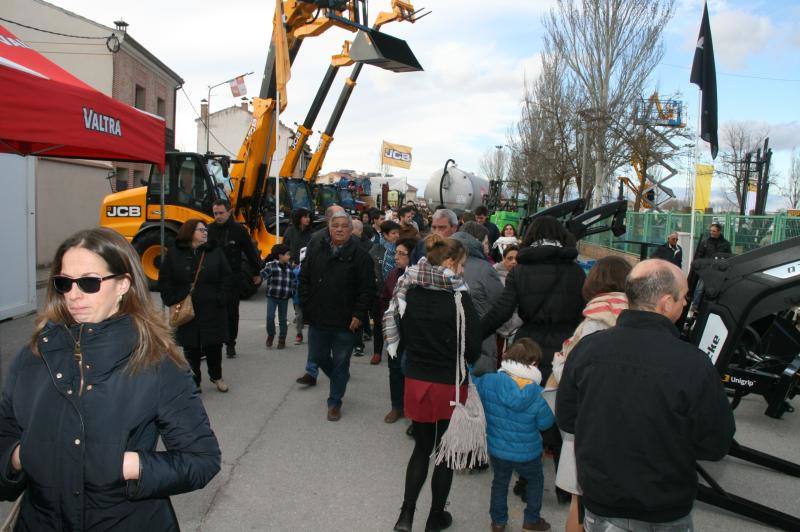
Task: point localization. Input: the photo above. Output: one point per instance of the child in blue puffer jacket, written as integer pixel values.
(515, 414)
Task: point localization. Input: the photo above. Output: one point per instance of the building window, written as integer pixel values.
(139, 98)
(122, 179)
(138, 177)
(161, 107)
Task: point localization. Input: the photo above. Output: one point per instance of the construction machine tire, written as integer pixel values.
(148, 246)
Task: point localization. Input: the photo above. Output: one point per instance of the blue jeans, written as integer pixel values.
(330, 348)
(595, 523)
(282, 305)
(498, 505)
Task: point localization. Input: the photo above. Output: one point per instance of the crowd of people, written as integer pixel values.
(587, 368)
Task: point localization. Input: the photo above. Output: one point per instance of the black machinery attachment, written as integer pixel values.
(747, 324)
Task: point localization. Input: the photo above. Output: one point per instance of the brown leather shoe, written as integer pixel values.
(393, 415)
(306, 379)
(281, 343)
(498, 528)
(376, 359)
(541, 524)
(335, 413)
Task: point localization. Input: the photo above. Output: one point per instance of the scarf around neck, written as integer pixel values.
(422, 274)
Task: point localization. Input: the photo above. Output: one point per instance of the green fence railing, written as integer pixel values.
(745, 233)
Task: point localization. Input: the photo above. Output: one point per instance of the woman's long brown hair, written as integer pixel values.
(155, 336)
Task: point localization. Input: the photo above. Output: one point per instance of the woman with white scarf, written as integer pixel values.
(431, 318)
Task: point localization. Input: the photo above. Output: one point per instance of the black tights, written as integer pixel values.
(426, 438)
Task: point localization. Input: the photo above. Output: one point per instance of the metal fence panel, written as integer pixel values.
(745, 233)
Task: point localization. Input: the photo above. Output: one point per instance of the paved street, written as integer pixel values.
(286, 468)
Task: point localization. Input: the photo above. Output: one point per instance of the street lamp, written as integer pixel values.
(208, 102)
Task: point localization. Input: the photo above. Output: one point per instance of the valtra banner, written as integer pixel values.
(45, 110)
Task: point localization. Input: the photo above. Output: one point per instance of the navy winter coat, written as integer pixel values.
(514, 416)
(72, 444)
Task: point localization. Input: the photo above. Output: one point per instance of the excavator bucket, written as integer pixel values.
(379, 49)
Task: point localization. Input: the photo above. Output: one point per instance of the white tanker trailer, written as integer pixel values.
(455, 189)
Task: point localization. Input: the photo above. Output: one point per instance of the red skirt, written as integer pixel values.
(429, 402)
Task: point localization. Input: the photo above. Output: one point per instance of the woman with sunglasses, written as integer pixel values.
(85, 403)
(194, 256)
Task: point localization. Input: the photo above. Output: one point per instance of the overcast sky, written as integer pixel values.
(476, 55)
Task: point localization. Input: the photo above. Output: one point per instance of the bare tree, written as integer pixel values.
(545, 136)
(738, 139)
(610, 48)
(792, 188)
(494, 163)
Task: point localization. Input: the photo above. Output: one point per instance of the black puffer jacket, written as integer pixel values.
(428, 335)
(336, 288)
(546, 288)
(210, 325)
(72, 445)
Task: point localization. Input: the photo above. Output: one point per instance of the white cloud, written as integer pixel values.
(739, 35)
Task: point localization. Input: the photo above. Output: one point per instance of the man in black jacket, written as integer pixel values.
(336, 292)
(234, 240)
(670, 251)
(715, 243)
(644, 406)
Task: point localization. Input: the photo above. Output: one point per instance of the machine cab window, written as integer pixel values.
(186, 184)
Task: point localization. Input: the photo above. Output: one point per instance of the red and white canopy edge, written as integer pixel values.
(45, 110)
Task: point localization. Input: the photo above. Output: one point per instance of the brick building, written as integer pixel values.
(140, 79)
(68, 192)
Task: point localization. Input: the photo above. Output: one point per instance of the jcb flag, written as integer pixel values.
(702, 188)
(396, 155)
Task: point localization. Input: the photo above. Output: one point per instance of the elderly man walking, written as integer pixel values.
(336, 291)
(309, 378)
(643, 406)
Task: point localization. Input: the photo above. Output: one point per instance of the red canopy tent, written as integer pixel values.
(45, 110)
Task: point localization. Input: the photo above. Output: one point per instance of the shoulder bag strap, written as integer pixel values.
(197, 273)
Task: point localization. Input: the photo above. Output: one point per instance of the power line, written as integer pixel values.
(736, 75)
(74, 53)
(51, 32)
(205, 124)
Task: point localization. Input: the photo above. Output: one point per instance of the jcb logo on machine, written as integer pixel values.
(124, 211)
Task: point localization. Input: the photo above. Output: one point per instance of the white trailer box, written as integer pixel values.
(18, 240)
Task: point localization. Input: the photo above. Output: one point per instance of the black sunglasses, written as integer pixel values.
(88, 285)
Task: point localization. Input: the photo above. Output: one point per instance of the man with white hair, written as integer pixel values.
(309, 378)
(670, 251)
(336, 291)
(444, 222)
(644, 406)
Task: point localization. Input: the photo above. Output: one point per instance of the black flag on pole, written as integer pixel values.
(704, 75)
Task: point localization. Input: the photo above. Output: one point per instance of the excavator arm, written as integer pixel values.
(401, 11)
(302, 19)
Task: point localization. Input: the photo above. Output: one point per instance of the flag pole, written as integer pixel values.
(694, 180)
